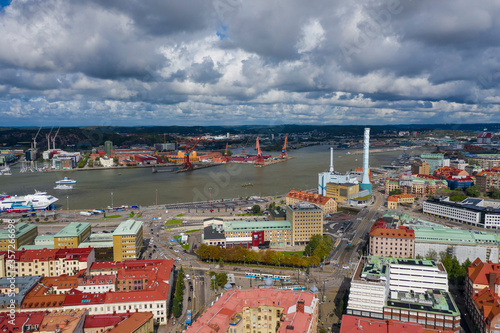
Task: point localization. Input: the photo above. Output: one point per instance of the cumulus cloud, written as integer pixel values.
(237, 62)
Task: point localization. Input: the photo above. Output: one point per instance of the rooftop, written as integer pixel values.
(24, 284)
(453, 236)
(74, 229)
(221, 316)
(433, 301)
(309, 197)
(353, 324)
(132, 322)
(129, 227)
(256, 225)
(300, 206)
(21, 228)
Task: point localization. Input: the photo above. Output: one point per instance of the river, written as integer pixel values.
(139, 186)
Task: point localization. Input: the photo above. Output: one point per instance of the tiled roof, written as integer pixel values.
(133, 322)
(352, 324)
(480, 271)
(309, 197)
(396, 197)
(488, 304)
(400, 232)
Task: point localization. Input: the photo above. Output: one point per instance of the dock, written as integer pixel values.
(266, 163)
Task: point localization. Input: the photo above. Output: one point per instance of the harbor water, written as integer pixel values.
(139, 186)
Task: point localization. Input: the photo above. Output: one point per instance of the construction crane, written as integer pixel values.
(47, 136)
(36, 136)
(187, 152)
(259, 160)
(284, 154)
(243, 150)
(54, 139)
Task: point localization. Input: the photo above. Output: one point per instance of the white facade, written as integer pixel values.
(462, 252)
(456, 213)
(367, 299)
(106, 162)
(417, 277)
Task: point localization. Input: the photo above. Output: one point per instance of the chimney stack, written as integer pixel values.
(491, 281)
(300, 306)
(331, 159)
(365, 183)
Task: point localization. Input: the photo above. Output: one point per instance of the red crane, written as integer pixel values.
(243, 150)
(187, 152)
(284, 154)
(259, 160)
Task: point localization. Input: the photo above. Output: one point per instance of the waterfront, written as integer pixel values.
(139, 186)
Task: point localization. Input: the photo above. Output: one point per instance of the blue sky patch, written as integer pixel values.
(4, 3)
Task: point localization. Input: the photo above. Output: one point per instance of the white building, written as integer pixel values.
(416, 275)
(106, 162)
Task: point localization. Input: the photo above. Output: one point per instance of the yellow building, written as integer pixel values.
(127, 240)
(420, 168)
(306, 219)
(394, 200)
(72, 235)
(21, 234)
(342, 192)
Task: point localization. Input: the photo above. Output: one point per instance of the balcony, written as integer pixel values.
(235, 319)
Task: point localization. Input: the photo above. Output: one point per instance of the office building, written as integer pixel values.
(435, 161)
(306, 220)
(72, 235)
(342, 192)
(263, 310)
(470, 211)
(326, 203)
(108, 148)
(23, 234)
(127, 240)
(277, 214)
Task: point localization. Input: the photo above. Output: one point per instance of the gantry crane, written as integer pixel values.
(187, 152)
(259, 160)
(284, 154)
(54, 139)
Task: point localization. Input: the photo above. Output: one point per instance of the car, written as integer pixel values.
(188, 277)
(170, 248)
(190, 288)
(154, 246)
(189, 299)
(190, 283)
(345, 267)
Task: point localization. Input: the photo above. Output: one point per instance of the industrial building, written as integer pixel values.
(342, 192)
(333, 176)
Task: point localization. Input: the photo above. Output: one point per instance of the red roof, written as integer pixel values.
(309, 197)
(80, 254)
(379, 229)
(20, 319)
(484, 135)
(104, 320)
(479, 272)
(351, 324)
(395, 197)
(488, 304)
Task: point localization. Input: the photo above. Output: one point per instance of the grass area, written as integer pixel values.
(173, 221)
(363, 198)
(139, 215)
(348, 210)
(292, 253)
(180, 215)
(191, 231)
(131, 215)
(250, 214)
(185, 246)
(112, 216)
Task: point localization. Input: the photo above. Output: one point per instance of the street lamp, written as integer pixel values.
(156, 199)
(244, 258)
(112, 200)
(67, 203)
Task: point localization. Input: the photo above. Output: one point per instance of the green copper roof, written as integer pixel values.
(21, 228)
(74, 229)
(129, 227)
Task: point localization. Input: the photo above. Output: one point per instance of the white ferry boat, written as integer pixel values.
(66, 181)
(37, 201)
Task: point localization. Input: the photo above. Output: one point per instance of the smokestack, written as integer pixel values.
(365, 184)
(331, 159)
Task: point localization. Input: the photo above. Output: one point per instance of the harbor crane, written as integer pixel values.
(259, 160)
(284, 154)
(188, 151)
(243, 150)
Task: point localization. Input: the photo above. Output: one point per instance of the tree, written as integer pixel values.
(395, 192)
(255, 209)
(494, 193)
(473, 191)
(432, 254)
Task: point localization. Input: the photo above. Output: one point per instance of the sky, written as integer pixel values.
(235, 62)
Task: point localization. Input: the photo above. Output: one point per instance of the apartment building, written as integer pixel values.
(306, 220)
(49, 262)
(277, 233)
(485, 161)
(329, 205)
(127, 240)
(23, 234)
(72, 235)
(487, 179)
(262, 310)
(391, 242)
(394, 200)
(135, 322)
(420, 168)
